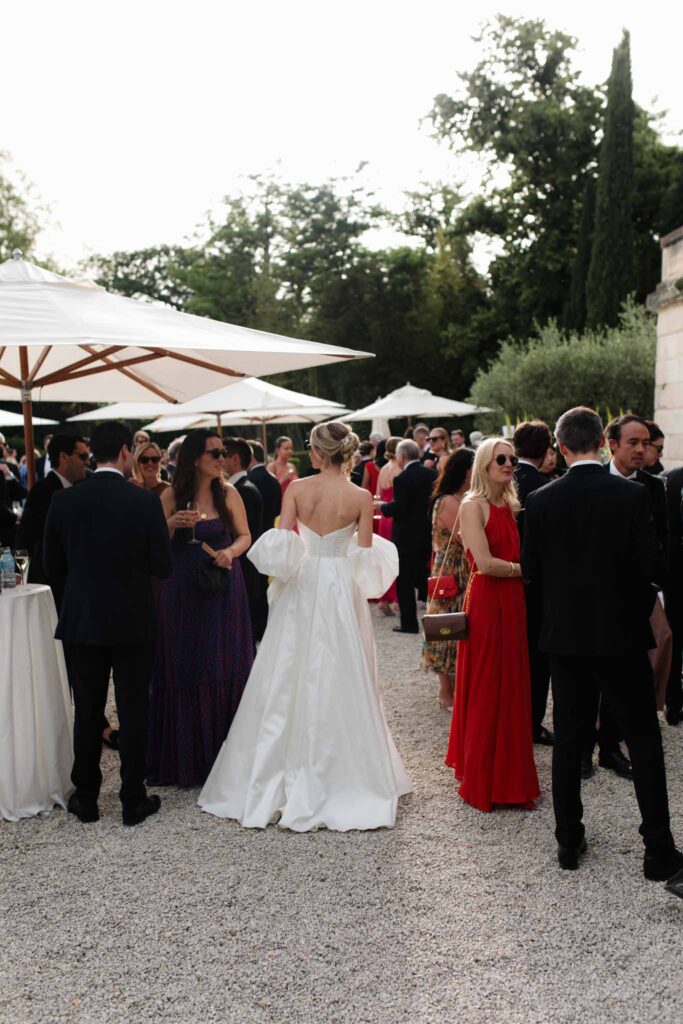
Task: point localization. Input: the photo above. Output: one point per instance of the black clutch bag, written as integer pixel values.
(209, 577)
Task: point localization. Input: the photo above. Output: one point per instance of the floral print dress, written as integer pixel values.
(440, 656)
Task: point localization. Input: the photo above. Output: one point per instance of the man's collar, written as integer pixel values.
(616, 472)
(237, 476)
(413, 462)
(525, 462)
(65, 482)
(586, 462)
(109, 469)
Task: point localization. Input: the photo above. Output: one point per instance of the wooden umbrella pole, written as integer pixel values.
(264, 437)
(219, 424)
(27, 410)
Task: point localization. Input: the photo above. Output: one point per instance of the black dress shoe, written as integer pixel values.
(568, 856)
(662, 867)
(84, 809)
(112, 740)
(675, 884)
(398, 629)
(544, 737)
(133, 814)
(616, 762)
(673, 717)
(587, 769)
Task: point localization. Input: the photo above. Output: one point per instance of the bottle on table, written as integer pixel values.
(9, 580)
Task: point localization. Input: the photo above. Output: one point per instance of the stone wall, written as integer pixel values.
(667, 302)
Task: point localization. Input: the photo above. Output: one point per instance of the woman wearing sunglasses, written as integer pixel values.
(439, 448)
(491, 746)
(147, 468)
(204, 647)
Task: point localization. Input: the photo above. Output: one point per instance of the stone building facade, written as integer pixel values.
(667, 302)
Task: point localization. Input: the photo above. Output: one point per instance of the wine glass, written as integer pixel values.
(193, 507)
(21, 560)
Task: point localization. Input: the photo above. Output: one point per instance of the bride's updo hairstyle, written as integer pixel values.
(335, 443)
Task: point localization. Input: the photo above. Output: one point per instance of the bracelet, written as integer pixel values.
(512, 570)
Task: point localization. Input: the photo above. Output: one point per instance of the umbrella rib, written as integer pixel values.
(136, 377)
(58, 375)
(92, 370)
(181, 357)
(9, 378)
(38, 363)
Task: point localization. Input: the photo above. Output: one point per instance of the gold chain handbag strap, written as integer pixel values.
(448, 548)
(468, 591)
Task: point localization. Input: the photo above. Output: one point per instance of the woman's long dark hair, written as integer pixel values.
(452, 473)
(185, 476)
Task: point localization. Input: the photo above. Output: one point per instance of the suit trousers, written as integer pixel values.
(674, 610)
(412, 576)
(539, 664)
(625, 684)
(89, 667)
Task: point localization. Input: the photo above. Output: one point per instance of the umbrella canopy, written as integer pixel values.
(411, 401)
(71, 340)
(123, 411)
(246, 417)
(15, 419)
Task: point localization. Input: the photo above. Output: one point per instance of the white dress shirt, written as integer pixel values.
(65, 482)
(109, 469)
(237, 476)
(615, 472)
(586, 462)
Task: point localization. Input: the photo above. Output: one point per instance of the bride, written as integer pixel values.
(309, 746)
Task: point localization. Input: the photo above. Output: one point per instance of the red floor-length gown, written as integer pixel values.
(491, 744)
(384, 528)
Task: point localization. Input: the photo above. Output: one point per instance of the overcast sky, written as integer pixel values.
(133, 118)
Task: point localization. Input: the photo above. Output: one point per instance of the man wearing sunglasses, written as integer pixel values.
(69, 456)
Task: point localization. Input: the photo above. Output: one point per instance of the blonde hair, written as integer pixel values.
(390, 448)
(137, 472)
(480, 486)
(335, 442)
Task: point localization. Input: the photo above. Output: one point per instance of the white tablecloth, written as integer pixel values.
(36, 721)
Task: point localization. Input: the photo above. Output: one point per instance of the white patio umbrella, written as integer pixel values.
(250, 401)
(123, 411)
(246, 418)
(71, 340)
(410, 401)
(15, 419)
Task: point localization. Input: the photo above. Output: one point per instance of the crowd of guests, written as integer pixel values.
(567, 573)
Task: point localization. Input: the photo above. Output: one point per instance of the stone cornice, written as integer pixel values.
(671, 238)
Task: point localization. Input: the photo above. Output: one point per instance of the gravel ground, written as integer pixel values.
(453, 915)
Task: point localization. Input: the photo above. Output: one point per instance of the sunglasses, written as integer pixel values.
(216, 453)
(154, 459)
(500, 460)
(84, 456)
(437, 438)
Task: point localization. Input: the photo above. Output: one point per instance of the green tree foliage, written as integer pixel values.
(19, 215)
(575, 318)
(553, 371)
(524, 111)
(610, 276)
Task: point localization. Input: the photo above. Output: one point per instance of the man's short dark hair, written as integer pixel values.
(656, 432)
(615, 426)
(532, 439)
(458, 431)
(258, 450)
(62, 443)
(580, 430)
(108, 439)
(238, 446)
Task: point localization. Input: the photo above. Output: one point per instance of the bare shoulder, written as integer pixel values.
(474, 510)
(168, 499)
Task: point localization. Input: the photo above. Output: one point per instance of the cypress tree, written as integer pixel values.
(610, 274)
(575, 319)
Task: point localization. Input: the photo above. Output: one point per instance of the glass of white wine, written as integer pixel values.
(21, 559)
(193, 507)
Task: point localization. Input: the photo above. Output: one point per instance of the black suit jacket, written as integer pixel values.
(411, 531)
(673, 482)
(271, 493)
(107, 539)
(657, 494)
(591, 546)
(32, 529)
(527, 480)
(253, 505)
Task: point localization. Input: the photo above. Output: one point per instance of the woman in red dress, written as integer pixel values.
(491, 746)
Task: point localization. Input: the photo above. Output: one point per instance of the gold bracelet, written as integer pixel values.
(512, 569)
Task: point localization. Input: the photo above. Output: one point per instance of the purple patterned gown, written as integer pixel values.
(204, 654)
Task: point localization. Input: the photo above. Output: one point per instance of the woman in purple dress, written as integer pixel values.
(204, 648)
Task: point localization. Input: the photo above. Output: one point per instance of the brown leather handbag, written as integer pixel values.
(441, 626)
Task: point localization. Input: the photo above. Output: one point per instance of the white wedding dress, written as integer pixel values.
(309, 746)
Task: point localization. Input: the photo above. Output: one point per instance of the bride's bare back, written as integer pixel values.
(326, 503)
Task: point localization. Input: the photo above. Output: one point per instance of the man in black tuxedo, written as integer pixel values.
(107, 539)
(237, 459)
(269, 487)
(411, 531)
(591, 546)
(69, 457)
(673, 481)
(531, 441)
(43, 462)
(628, 438)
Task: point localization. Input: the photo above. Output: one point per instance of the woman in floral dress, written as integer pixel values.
(448, 560)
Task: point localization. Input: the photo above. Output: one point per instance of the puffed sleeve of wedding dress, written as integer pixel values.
(374, 569)
(278, 553)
